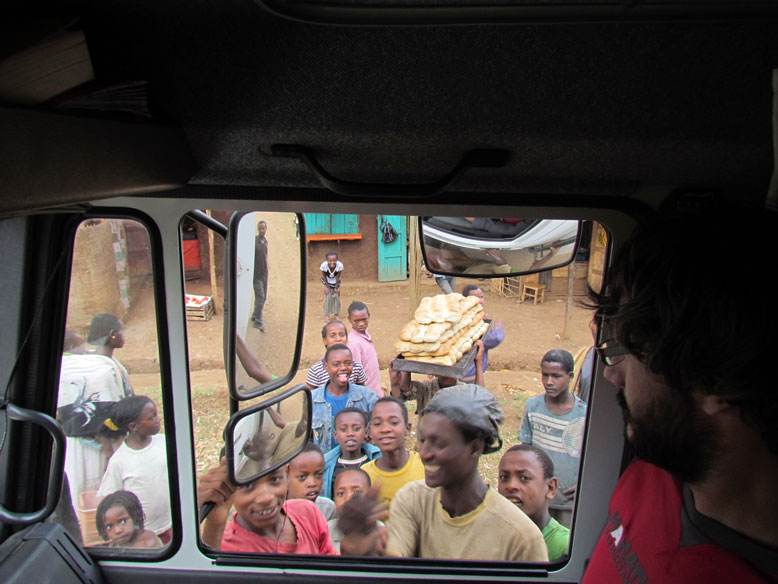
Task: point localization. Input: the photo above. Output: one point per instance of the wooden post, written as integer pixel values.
(212, 263)
(414, 266)
(569, 305)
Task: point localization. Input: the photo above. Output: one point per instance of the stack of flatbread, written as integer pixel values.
(443, 329)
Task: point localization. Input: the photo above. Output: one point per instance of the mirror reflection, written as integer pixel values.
(265, 438)
(268, 297)
(485, 246)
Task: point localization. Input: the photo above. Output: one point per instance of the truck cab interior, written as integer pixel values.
(147, 113)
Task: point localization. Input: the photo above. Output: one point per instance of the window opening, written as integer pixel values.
(531, 327)
(110, 400)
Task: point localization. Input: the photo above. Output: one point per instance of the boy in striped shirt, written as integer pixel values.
(554, 421)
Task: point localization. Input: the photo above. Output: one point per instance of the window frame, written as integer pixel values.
(191, 557)
(160, 313)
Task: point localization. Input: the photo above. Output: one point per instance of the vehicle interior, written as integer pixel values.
(156, 113)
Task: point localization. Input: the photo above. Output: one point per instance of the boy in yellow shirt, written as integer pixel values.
(397, 465)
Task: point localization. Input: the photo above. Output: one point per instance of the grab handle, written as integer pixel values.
(54, 489)
(472, 159)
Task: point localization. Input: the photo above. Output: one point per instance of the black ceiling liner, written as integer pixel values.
(607, 107)
(413, 12)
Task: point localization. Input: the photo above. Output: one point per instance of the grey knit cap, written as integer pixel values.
(473, 410)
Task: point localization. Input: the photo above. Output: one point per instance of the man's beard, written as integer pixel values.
(674, 435)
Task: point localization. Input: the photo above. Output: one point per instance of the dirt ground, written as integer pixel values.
(530, 330)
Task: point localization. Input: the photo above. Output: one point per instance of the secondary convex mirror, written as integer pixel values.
(266, 295)
(262, 438)
(485, 247)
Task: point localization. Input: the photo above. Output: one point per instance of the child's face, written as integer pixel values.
(258, 505)
(388, 427)
(478, 293)
(119, 527)
(359, 319)
(347, 484)
(350, 433)
(335, 334)
(444, 381)
(306, 474)
(555, 379)
(147, 424)
(339, 366)
(520, 480)
(332, 261)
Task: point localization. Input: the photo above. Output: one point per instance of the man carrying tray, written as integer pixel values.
(493, 337)
(422, 391)
(444, 328)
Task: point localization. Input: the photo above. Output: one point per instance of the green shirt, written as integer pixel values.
(557, 537)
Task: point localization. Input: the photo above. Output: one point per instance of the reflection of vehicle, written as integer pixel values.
(509, 233)
(671, 112)
(459, 245)
(479, 231)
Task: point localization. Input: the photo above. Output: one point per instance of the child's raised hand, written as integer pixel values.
(214, 487)
(357, 521)
(399, 381)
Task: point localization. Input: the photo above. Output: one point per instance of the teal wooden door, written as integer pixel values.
(393, 257)
(321, 223)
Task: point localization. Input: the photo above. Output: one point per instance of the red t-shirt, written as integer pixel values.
(641, 540)
(313, 536)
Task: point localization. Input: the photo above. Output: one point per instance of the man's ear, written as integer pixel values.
(552, 485)
(476, 447)
(715, 404)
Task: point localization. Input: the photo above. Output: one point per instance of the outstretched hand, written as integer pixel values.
(362, 536)
(214, 487)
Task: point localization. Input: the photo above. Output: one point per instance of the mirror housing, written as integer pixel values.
(252, 352)
(481, 247)
(264, 437)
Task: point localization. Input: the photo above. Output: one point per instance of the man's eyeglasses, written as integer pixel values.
(611, 352)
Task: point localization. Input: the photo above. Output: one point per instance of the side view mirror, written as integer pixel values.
(482, 247)
(262, 438)
(265, 291)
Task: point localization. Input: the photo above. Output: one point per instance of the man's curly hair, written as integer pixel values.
(683, 296)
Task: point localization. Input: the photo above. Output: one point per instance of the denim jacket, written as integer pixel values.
(331, 460)
(359, 396)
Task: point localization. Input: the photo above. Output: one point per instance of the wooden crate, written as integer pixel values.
(199, 307)
(86, 511)
(508, 287)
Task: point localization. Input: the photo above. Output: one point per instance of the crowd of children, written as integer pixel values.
(357, 488)
(375, 496)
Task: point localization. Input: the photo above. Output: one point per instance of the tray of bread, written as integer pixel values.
(440, 338)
